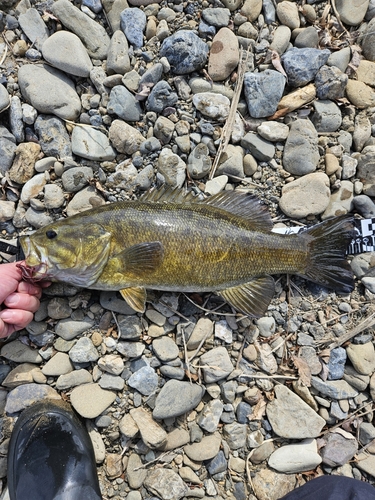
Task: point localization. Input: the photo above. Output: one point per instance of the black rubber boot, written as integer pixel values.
(51, 456)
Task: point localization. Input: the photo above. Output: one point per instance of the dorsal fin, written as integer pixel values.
(243, 205)
(169, 194)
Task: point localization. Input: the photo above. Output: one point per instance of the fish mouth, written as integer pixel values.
(35, 267)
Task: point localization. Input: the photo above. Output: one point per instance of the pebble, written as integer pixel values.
(118, 60)
(327, 116)
(161, 97)
(72, 379)
(288, 15)
(177, 398)
(301, 155)
(25, 395)
(17, 351)
(273, 131)
(206, 449)
(153, 435)
(91, 144)
(263, 92)
(302, 65)
(231, 162)
(83, 351)
(362, 357)
(59, 364)
(296, 458)
(76, 178)
(339, 447)
(58, 49)
(216, 364)
(22, 168)
(166, 484)
(185, 52)
(53, 137)
(90, 400)
(34, 27)
(360, 94)
(199, 162)
(335, 389)
(352, 13)
(133, 24)
(224, 54)
(172, 168)
(212, 105)
(124, 137)
(261, 149)
(251, 9)
(4, 98)
(145, 380)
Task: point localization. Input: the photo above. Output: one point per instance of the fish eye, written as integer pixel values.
(51, 234)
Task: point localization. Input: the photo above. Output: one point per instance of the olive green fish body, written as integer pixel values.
(171, 241)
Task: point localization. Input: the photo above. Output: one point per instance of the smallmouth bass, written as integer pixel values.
(170, 240)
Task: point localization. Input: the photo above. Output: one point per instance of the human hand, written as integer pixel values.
(21, 299)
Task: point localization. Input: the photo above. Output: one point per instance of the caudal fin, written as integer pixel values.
(327, 263)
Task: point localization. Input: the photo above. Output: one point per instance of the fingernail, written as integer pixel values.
(12, 300)
(6, 315)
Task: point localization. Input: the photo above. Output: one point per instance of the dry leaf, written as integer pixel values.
(259, 409)
(325, 371)
(355, 60)
(304, 371)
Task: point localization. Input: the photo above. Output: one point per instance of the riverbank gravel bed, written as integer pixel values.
(101, 101)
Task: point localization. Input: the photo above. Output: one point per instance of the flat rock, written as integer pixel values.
(327, 116)
(69, 329)
(4, 98)
(288, 15)
(59, 364)
(65, 51)
(352, 13)
(337, 448)
(308, 195)
(25, 395)
(145, 380)
(34, 27)
(83, 351)
(91, 144)
(177, 398)
(301, 154)
(53, 136)
(133, 22)
(72, 379)
(49, 90)
(124, 137)
(185, 52)
(76, 178)
(291, 417)
(335, 389)
(20, 353)
(224, 54)
(22, 169)
(263, 92)
(202, 330)
(216, 364)
(92, 34)
(166, 484)
(360, 94)
(172, 168)
(123, 104)
(206, 449)
(118, 61)
(153, 435)
(362, 357)
(261, 149)
(251, 9)
(90, 400)
(296, 458)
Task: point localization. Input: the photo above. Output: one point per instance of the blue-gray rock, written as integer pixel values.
(130, 350)
(145, 380)
(152, 75)
(7, 149)
(34, 27)
(327, 116)
(206, 29)
(111, 382)
(83, 351)
(242, 412)
(76, 178)
(301, 65)
(330, 83)
(336, 364)
(177, 398)
(263, 92)
(301, 154)
(94, 5)
(185, 52)
(308, 37)
(53, 136)
(133, 22)
(118, 61)
(172, 372)
(161, 96)
(338, 449)
(130, 327)
(216, 16)
(92, 144)
(25, 395)
(335, 389)
(364, 205)
(261, 149)
(217, 464)
(269, 11)
(123, 104)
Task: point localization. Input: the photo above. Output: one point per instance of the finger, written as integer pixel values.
(22, 301)
(5, 329)
(15, 319)
(10, 278)
(30, 289)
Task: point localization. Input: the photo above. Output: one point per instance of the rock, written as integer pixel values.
(163, 129)
(360, 94)
(91, 144)
(273, 131)
(338, 448)
(302, 65)
(292, 418)
(340, 59)
(34, 27)
(341, 201)
(166, 484)
(366, 463)
(335, 389)
(202, 331)
(53, 136)
(366, 72)
(224, 54)
(145, 380)
(161, 97)
(16, 122)
(296, 458)
(133, 23)
(185, 52)
(330, 83)
(261, 149)
(362, 130)
(7, 151)
(206, 449)
(251, 9)
(21, 374)
(235, 435)
(362, 357)
(89, 400)
(111, 363)
(263, 92)
(209, 419)
(92, 34)
(25, 395)
(49, 90)
(83, 351)
(53, 196)
(76, 178)
(177, 398)
(216, 364)
(281, 39)
(153, 435)
(308, 195)
(134, 472)
(59, 364)
(217, 17)
(125, 138)
(231, 162)
(33, 187)
(301, 155)
(165, 349)
(352, 13)
(212, 105)
(288, 15)
(7, 210)
(327, 116)
(58, 50)
(199, 162)
(307, 37)
(22, 168)
(123, 104)
(20, 353)
(118, 61)
(269, 484)
(172, 168)
(72, 379)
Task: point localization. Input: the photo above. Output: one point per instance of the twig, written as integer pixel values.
(363, 325)
(186, 355)
(176, 452)
(4, 55)
(229, 124)
(280, 377)
(349, 417)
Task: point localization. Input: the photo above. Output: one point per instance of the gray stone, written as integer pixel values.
(281, 39)
(118, 61)
(352, 13)
(206, 449)
(166, 484)
(330, 83)
(217, 17)
(212, 105)
(209, 418)
(49, 90)
(291, 417)
(153, 435)
(7, 151)
(362, 357)
(130, 350)
(123, 104)
(301, 154)
(72, 379)
(53, 136)
(145, 380)
(335, 389)
(199, 162)
(110, 301)
(92, 34)
(59, 364)
(216, 364)
(16, 121)
(261, 149)
(90, 400)
(76, 178)
(273, 131)
(165, 349)
(202, 331)
(124, 137)
(185, 52)
(296, 458)
(340, 447)
(34, 27)
(177, 398)
(327, 116)
(368, 41)
(53, 196)
(83, 351)
(112, 382)
(25, 395)
(231, 162)
(217, 464)
(4, 98)
(307, 37)
(263, 92)
(91, 144)
(172, 168)
(336, 364)
(161, 96)
(18, 352)
(301, 65)
(366, 433)
(59, 49)
(133, 23)
(235, 435)
(340, 58)
(130, 327)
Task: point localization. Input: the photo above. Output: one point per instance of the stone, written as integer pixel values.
(163, 130)
(53, 136)
(292, 418)
(124, 137)
(172, 168)
(288, 15)
(360, 94)
(362, 357)
(74, 179)
(216, 364)
(206, 449)
(25, 395)
(58, 50)
(59, 364)
(352, 13)
(34, 27)
(177, 398)
(185, 52)
(301, 154)
(145, 380)
(49, 90)
(123, 104)
(341, 201)
(224, 54)
(235, 435)
(251, 9)
(21, 374)
(296, 458)
(209, 418)
(83, 351)
(161, 97)
(202, 331)
(133, 24)
(307, 37)
(327, 116)
(366, 72)
(18, 352)
(33, 187)
(22, 168)
(308, 195)
(199, 162)
(72, 379)
(263, 92)
(261, 149)
(273, 131)
(270, 484)
(135, 474)
(153, 435)
(330, 82)
(339, 447)
(118, 61)
(216, 16)
(165, 349)
(92, 34)
(302, 65)
(281, 39)
(166, 484)
(335, 389)
(90, 400)
(212, 105)
(231, 162)
(91, 144)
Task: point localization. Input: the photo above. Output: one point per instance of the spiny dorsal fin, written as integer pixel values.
(169, 194)
(251, 298)
(243, 205)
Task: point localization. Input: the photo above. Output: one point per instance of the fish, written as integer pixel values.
(172, 240)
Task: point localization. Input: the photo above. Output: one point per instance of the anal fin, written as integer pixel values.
(135, 297)
(251, 298)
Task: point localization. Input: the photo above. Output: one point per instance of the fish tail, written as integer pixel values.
(327, 245)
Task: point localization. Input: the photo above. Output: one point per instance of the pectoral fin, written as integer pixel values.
(251, 298)
(137, 259)
(135, 297)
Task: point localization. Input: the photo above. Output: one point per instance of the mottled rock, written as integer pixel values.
(185, 52)
(224, 54)
(301, 65)
(166, 484)
(301, 154)
(263, 92)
